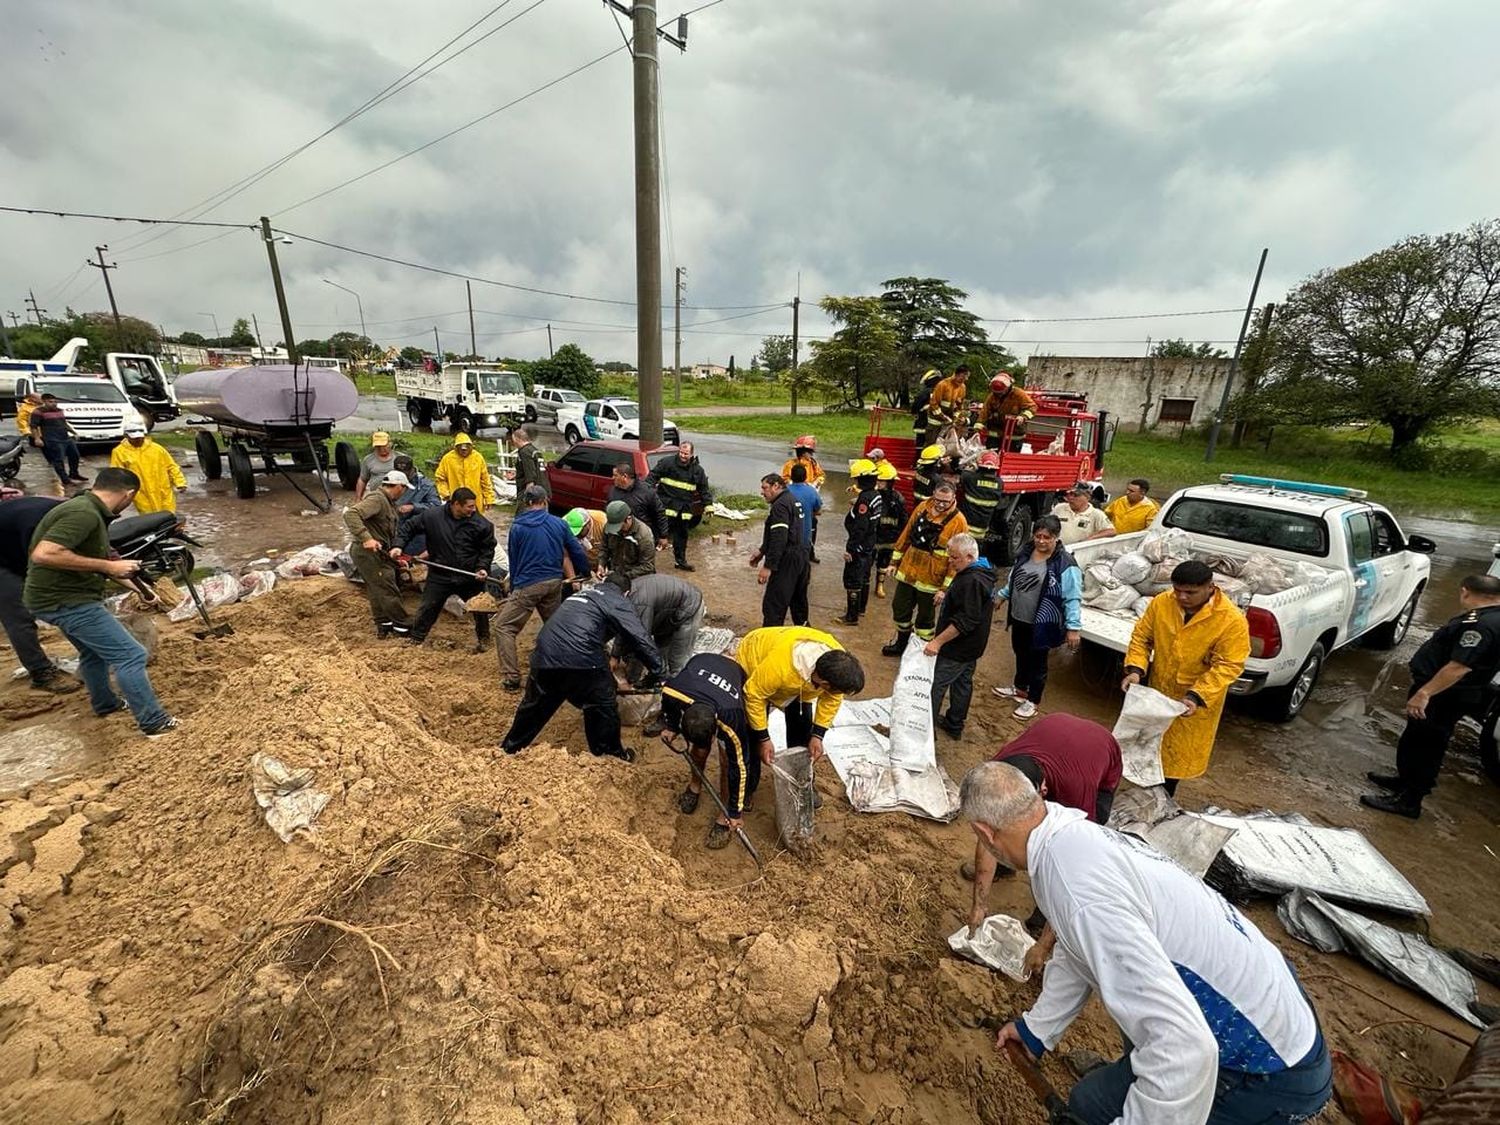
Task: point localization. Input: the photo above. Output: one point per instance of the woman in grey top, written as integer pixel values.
(1045, 592)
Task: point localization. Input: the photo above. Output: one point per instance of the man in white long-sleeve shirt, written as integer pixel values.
(1216, 1027)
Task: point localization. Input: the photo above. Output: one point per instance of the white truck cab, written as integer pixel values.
(97, 410)
(471, 396)
(1373, 580)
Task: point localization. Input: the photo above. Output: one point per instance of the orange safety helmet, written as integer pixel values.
(989, 459)
(1002, 382)
(806, 441)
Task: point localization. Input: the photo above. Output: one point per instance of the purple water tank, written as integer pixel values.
(273, 395)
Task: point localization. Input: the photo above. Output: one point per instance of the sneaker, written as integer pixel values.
(57, 682)
(78, 480)
(167, 726)
(1005, 692)
(1025, 710)
(511, 685)
(950, 729)
(687, 802)
(115, 710)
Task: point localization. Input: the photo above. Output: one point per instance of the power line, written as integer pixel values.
(1081, 319)
(452, 132)
(125, 218)
(390, 90)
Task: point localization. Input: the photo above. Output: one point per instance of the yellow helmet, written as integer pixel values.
(886, 471)
(861, 467)
(932, 377)
(932, 453)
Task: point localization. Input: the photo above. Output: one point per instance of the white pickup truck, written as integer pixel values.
(1375, 576)
(610, 419)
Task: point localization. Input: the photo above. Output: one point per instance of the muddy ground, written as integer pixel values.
(544, 938)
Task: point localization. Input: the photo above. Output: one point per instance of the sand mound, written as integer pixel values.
(466, 937)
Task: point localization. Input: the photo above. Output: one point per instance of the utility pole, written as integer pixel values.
(1234, 362)
(286, 318)
(32, 305)
(259, 343)
(473, 345)
(677, 345)
(15, 321)
(647, 219)
(550, 352)
(1252, 378)
(5, 335)
(796, 314)
(436, 343)
(108, 288)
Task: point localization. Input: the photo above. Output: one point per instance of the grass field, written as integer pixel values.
(841, 433)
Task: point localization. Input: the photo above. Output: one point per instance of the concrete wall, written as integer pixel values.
(1127, 386)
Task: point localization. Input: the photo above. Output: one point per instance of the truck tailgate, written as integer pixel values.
(1107, 629)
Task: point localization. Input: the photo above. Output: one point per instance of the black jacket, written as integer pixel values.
(980, 497)
(644, 506)
(678, 485)
(969, 605)
(862, 521)
(892, 517)
(576, 635)
(783, 532)
(18, 523)
(468, 544)
(530, 469)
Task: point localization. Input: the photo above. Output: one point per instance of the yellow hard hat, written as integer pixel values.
(932, 376)
(861, 467)
(886, 471)
(932, 453)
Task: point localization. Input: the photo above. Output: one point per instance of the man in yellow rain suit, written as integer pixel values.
(1195, 642)
(160, 477)
(802, 671)
(463, 467)
(1134, 511)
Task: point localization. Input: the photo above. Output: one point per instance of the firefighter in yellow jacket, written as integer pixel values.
(463, 466)
(1005, 401)
(160, 477)
(920, 565)
(801, 671)
(946, 406)
(1194, 641)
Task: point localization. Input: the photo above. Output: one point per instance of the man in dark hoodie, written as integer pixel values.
(963, 631)
(681, 483)
(570, 664)
(641, 499)
(782, 556)
(457, 535)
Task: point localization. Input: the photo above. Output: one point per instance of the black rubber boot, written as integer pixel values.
(864, 597)
(897, 644)
(851, 609)
(1401, 804)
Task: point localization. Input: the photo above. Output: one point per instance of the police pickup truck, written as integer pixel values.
(1374, 576)
(608, 419)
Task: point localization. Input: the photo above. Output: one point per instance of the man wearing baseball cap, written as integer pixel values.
(380, 460)
(629, 545)
(463, 466)
(159, 475)
(372, 530)
(1080, 519)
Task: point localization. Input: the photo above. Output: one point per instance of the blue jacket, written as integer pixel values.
(1062, 598)
(422, 494)
(536, 545)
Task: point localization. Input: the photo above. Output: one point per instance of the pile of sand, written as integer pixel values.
(466, 937)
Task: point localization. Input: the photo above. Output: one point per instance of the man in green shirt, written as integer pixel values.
(65, 587)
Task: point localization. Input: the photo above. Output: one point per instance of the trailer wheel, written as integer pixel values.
(240, 470)
(209, 460)
(347, 463)
(1018, 530)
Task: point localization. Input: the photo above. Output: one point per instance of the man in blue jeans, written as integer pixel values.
(1216, 1026)
(65, 587)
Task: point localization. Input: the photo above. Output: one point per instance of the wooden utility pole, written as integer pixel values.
(647, 220)
(1234, 362)
(15, 321)
(473, 345)
(108, 288)
(259, 343)
(31, 305)
(286, 318)
(437, 345)
(796, 313)
(550, 352)
(1253, 376)
(677, 334)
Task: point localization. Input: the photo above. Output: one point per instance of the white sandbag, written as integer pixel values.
(216, 590)
(1151, 588)
(863, 713)
(1001, 942)
(1234, 589)
(307, 562)
(1144, 718)
(1310, 574)
(290, 800)
(912, 744)
(1265, 575)
(874, 787)
(254, 583)
(1162, 543)
(1161, 573)
(1118, 600)
(1141, 605)
(1132, 568)
(1222, 564)
(1103, 574)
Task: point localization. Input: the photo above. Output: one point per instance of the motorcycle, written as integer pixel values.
(160, 542)
(12, 447)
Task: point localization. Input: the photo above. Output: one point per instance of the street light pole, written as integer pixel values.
(286, 317)
(359, 305)
(215, 319)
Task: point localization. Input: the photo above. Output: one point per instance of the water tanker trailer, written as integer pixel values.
(273, 419)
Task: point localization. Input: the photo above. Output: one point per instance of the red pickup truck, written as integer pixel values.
(581, 477)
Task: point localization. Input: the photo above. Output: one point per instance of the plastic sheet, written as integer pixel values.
(1001, 942)
(793, 778)
(1405, 958)
(1144, 718)
(1151, 815)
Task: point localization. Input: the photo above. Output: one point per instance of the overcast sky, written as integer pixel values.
(1087, 158)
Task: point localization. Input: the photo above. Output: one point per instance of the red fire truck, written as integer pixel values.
(1064, 443)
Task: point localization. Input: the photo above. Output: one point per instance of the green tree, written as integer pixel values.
(775, 354)
(1408, 337)
(314, 348)
(1181, 349)
(193, 339)
(240, 335)
(412, 356)
(571, 367)
(935, 330)
(863, 352)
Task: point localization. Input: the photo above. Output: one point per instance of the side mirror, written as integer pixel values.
(23, 388)
(1421, 544)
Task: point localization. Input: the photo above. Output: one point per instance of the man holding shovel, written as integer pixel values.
(457, 538)
(704, 703)
(372, 522)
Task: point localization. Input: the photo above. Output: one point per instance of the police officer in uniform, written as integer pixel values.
(782, 556)
(862, 528)
(1448, 675)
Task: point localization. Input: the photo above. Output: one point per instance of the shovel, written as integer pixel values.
(714, 793)
(407, 560)
(1031, 1074)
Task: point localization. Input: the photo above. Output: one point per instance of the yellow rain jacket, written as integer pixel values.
(773, 679)
(815, 474)
(160, 476)
(23, 415)
(1126, 518)
(926, 569)
(454, 472)
(1203, 656)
